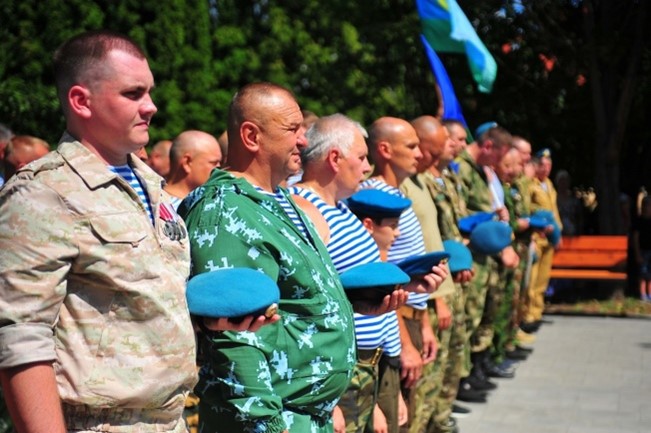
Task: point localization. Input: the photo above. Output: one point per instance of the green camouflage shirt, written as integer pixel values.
(475, 191)
(301, 364)
(448, 203)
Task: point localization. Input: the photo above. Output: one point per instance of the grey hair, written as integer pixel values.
(334, 131)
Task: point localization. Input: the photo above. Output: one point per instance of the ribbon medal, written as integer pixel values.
(172, 228)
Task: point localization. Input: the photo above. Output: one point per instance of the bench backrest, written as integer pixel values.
(598, 252)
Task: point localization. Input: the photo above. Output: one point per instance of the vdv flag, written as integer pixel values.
(449, 101)
(447, 29)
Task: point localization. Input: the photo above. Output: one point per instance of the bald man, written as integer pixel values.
(5, 136)
(193, 155)
(394, 147)
(289, 375)
(21, 150)
(159, 157)
(458, 134)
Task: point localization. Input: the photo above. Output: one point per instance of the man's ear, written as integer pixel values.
(250, 135)
(79, 101)
(333, 158)
(186, 159)
(368, 224)
(383, 149)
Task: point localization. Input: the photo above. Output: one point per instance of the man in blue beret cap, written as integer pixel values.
(543, 198)
(379, 212)
(242, 218)
(334, 163)
(394, 147)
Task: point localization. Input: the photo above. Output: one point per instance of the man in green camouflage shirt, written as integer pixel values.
(492, 142)
(289, 376)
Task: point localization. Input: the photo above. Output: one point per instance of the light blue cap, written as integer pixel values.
(231, 292)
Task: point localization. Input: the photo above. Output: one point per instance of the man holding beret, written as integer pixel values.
(393, 145)
(289, 375)
(480, 195)
(335, 163)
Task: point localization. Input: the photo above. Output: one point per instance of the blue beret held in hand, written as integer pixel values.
(231, 292)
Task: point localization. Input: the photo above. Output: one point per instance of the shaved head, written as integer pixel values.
(258, 103)
(433, 137)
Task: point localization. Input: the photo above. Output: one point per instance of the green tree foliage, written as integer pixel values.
(573, 75)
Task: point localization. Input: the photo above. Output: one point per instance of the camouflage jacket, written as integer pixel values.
(515, 203)
(475, 191)
(449, 204)
(300, 364)
(87, 281)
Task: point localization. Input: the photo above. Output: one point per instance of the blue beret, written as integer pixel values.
(537, 222)
(548, 216)
(231, 292)
(468, 224)
(460, 255)
(377, 204)
(421, 264)
(543, 153)
(490, 237)
(484, 127)
(373, 275)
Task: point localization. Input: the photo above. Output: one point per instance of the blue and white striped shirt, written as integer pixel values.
(127, 173)
(350, 245)
(287, 207)
(409, 243)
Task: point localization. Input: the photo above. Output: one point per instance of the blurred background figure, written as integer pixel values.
(5, 136)
(159, 157)
(569, 205)
(223, 146)
(641, 240)
(21, 150)
(142, 154)
(193, 156)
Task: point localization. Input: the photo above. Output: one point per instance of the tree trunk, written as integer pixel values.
(610, 109)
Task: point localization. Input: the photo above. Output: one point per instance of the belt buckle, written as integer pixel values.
(376, 356)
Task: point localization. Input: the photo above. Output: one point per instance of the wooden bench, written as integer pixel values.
(591, 258)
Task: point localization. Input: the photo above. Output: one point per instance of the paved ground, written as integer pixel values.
(586, 375)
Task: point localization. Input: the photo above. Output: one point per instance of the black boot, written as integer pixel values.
(493, 370)
(477, 378)
(469, 394)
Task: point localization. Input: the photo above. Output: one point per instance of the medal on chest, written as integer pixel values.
(172, 228)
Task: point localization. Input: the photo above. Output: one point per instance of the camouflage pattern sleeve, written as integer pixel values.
(35, 255)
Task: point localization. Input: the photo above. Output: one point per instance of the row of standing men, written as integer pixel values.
(94, 289)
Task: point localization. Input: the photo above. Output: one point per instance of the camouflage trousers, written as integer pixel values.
(387, 395)
(508, 316)
(415, 406)
(455, 365)
(358, 401)
(483, 288)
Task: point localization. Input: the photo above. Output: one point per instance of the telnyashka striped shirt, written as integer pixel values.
(409, 243)
(350, 245)
(127, 173)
